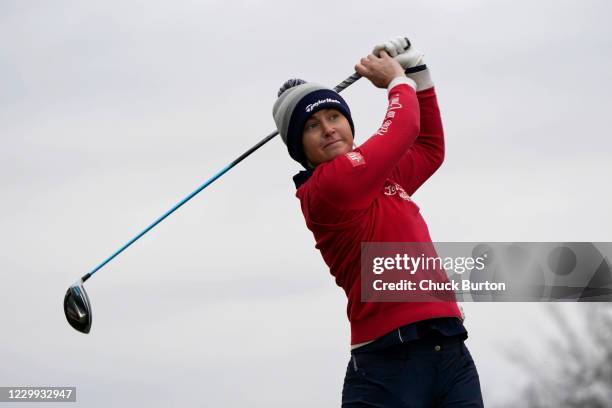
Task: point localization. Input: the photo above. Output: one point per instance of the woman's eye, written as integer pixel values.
(311, 125)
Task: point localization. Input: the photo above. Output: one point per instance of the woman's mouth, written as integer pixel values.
(331, 143)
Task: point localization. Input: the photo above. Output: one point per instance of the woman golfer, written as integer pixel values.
(403, 354)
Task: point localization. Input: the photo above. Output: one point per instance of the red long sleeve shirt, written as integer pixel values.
(364, 196)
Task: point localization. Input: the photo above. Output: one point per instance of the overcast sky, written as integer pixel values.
(111, 112)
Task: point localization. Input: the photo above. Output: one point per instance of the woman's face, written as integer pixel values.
(327, 134)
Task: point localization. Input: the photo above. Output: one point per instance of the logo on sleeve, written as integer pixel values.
(355, 158)
(391, 188)
(394, 103)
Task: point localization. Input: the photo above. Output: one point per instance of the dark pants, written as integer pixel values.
(432, 372)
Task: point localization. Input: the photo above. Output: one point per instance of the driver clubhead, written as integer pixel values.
(77, 308)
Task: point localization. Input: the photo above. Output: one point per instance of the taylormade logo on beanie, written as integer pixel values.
(312, 106)
(298, 100)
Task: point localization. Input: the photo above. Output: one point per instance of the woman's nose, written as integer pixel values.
(328, 129)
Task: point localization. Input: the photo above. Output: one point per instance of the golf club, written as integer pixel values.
(77, 306)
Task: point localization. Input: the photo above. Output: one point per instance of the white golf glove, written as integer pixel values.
(400, 49)
(409, 58)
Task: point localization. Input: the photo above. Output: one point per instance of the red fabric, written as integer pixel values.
(365, 198)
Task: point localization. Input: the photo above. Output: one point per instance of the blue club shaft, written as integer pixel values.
(160, 219)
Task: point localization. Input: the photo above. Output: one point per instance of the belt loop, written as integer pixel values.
(354, 362)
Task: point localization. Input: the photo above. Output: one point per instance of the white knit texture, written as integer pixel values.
(401, 80)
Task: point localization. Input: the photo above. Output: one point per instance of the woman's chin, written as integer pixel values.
(338, 149)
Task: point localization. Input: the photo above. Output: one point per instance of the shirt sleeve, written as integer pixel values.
(426, 155)
(353, 180)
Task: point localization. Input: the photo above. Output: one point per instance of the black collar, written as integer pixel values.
(302, 177)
